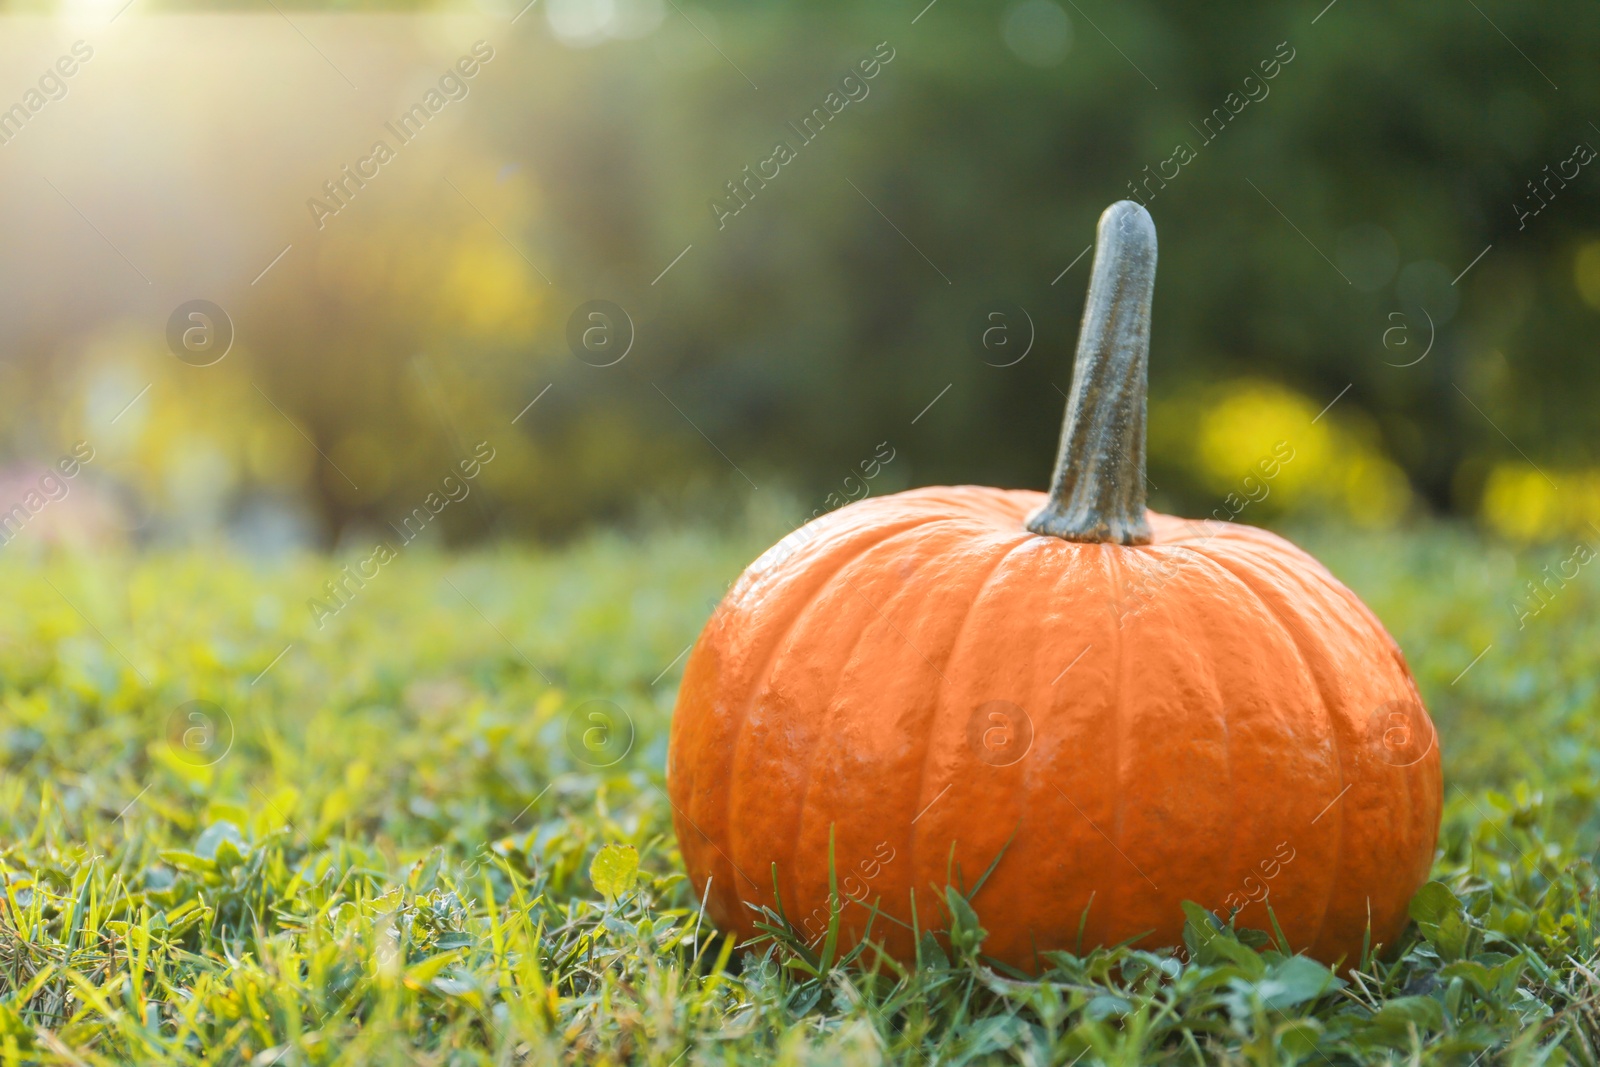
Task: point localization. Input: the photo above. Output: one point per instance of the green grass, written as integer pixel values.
(378, 848)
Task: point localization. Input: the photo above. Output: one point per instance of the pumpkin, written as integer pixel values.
(1116, 710)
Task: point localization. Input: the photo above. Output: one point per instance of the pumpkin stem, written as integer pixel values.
(1097, 492)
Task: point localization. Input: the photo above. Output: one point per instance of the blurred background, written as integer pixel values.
(1379, 225)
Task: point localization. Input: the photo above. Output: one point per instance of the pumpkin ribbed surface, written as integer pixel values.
(1209, 717)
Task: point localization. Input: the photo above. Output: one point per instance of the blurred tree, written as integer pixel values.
(1377, 208)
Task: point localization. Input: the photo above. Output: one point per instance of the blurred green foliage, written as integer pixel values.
(381, 843)
(1316, 229)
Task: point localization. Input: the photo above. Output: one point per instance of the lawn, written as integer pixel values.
(229, 835)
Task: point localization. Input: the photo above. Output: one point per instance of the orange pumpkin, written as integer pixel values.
(1130, 710)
